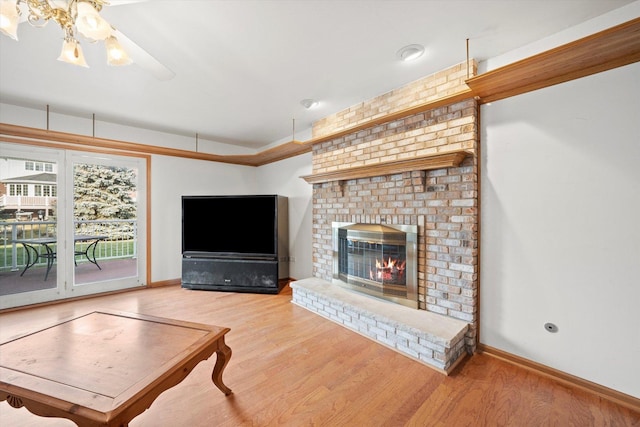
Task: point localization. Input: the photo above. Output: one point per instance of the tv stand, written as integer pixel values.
(233, 275)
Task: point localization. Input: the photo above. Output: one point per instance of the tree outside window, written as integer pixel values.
(103, 192)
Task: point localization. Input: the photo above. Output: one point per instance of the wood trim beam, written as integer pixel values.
(433, 161)
(25, 135)
(602, 51)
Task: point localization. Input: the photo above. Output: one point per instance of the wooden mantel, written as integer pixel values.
(428, 162)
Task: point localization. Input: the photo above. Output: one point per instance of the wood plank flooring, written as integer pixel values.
(292, 367)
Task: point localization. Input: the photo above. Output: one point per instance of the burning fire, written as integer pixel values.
(388, 270)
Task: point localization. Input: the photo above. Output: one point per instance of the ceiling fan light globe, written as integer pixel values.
(9, 18)
(90, 24)
(72, 53)
(116, 55)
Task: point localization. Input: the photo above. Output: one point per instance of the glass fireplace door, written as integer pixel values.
(378, 260)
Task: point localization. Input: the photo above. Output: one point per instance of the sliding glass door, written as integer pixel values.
(108, 242)
(73, 223)
(29, 226)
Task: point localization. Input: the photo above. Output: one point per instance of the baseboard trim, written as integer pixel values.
(609, 394)
(161, 283)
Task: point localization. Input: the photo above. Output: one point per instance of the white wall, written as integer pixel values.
(560, 232)
(37, 118)
(283, 178)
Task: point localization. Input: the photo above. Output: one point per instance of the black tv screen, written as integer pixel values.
(229, 226)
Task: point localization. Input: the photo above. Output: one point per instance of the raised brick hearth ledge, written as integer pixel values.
(431, 338)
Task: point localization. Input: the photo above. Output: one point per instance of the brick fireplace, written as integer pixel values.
(418, 169)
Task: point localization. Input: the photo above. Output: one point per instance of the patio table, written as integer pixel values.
(48, 252)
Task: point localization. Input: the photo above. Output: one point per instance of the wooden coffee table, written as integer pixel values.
(106, 367)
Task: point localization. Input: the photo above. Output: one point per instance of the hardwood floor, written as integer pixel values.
(292, 367)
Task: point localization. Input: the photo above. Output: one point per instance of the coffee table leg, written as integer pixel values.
(223, 355)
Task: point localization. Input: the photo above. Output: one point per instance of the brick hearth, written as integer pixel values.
(430, 338)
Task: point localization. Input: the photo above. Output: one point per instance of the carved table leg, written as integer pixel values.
(223, 355)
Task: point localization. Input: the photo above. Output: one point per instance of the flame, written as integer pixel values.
(389, 264)
(386, 269)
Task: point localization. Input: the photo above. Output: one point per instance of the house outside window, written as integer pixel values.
(37, 190)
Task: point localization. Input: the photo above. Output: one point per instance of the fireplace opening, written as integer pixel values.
(378, 260)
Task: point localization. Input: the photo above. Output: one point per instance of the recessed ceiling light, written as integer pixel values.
(410, 52)
(309, 103)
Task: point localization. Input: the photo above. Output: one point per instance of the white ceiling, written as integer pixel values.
(242, 67)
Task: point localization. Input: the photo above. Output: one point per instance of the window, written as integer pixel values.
(38, 166)
(45, 190)
(18, 190)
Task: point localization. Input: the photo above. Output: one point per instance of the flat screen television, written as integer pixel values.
(230, 226)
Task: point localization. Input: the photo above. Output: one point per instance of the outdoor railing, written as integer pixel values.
(28, 202)
(121, 240)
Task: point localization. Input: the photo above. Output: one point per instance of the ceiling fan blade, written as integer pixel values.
(143, 59)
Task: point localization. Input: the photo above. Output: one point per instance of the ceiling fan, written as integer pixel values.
(81, 16)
